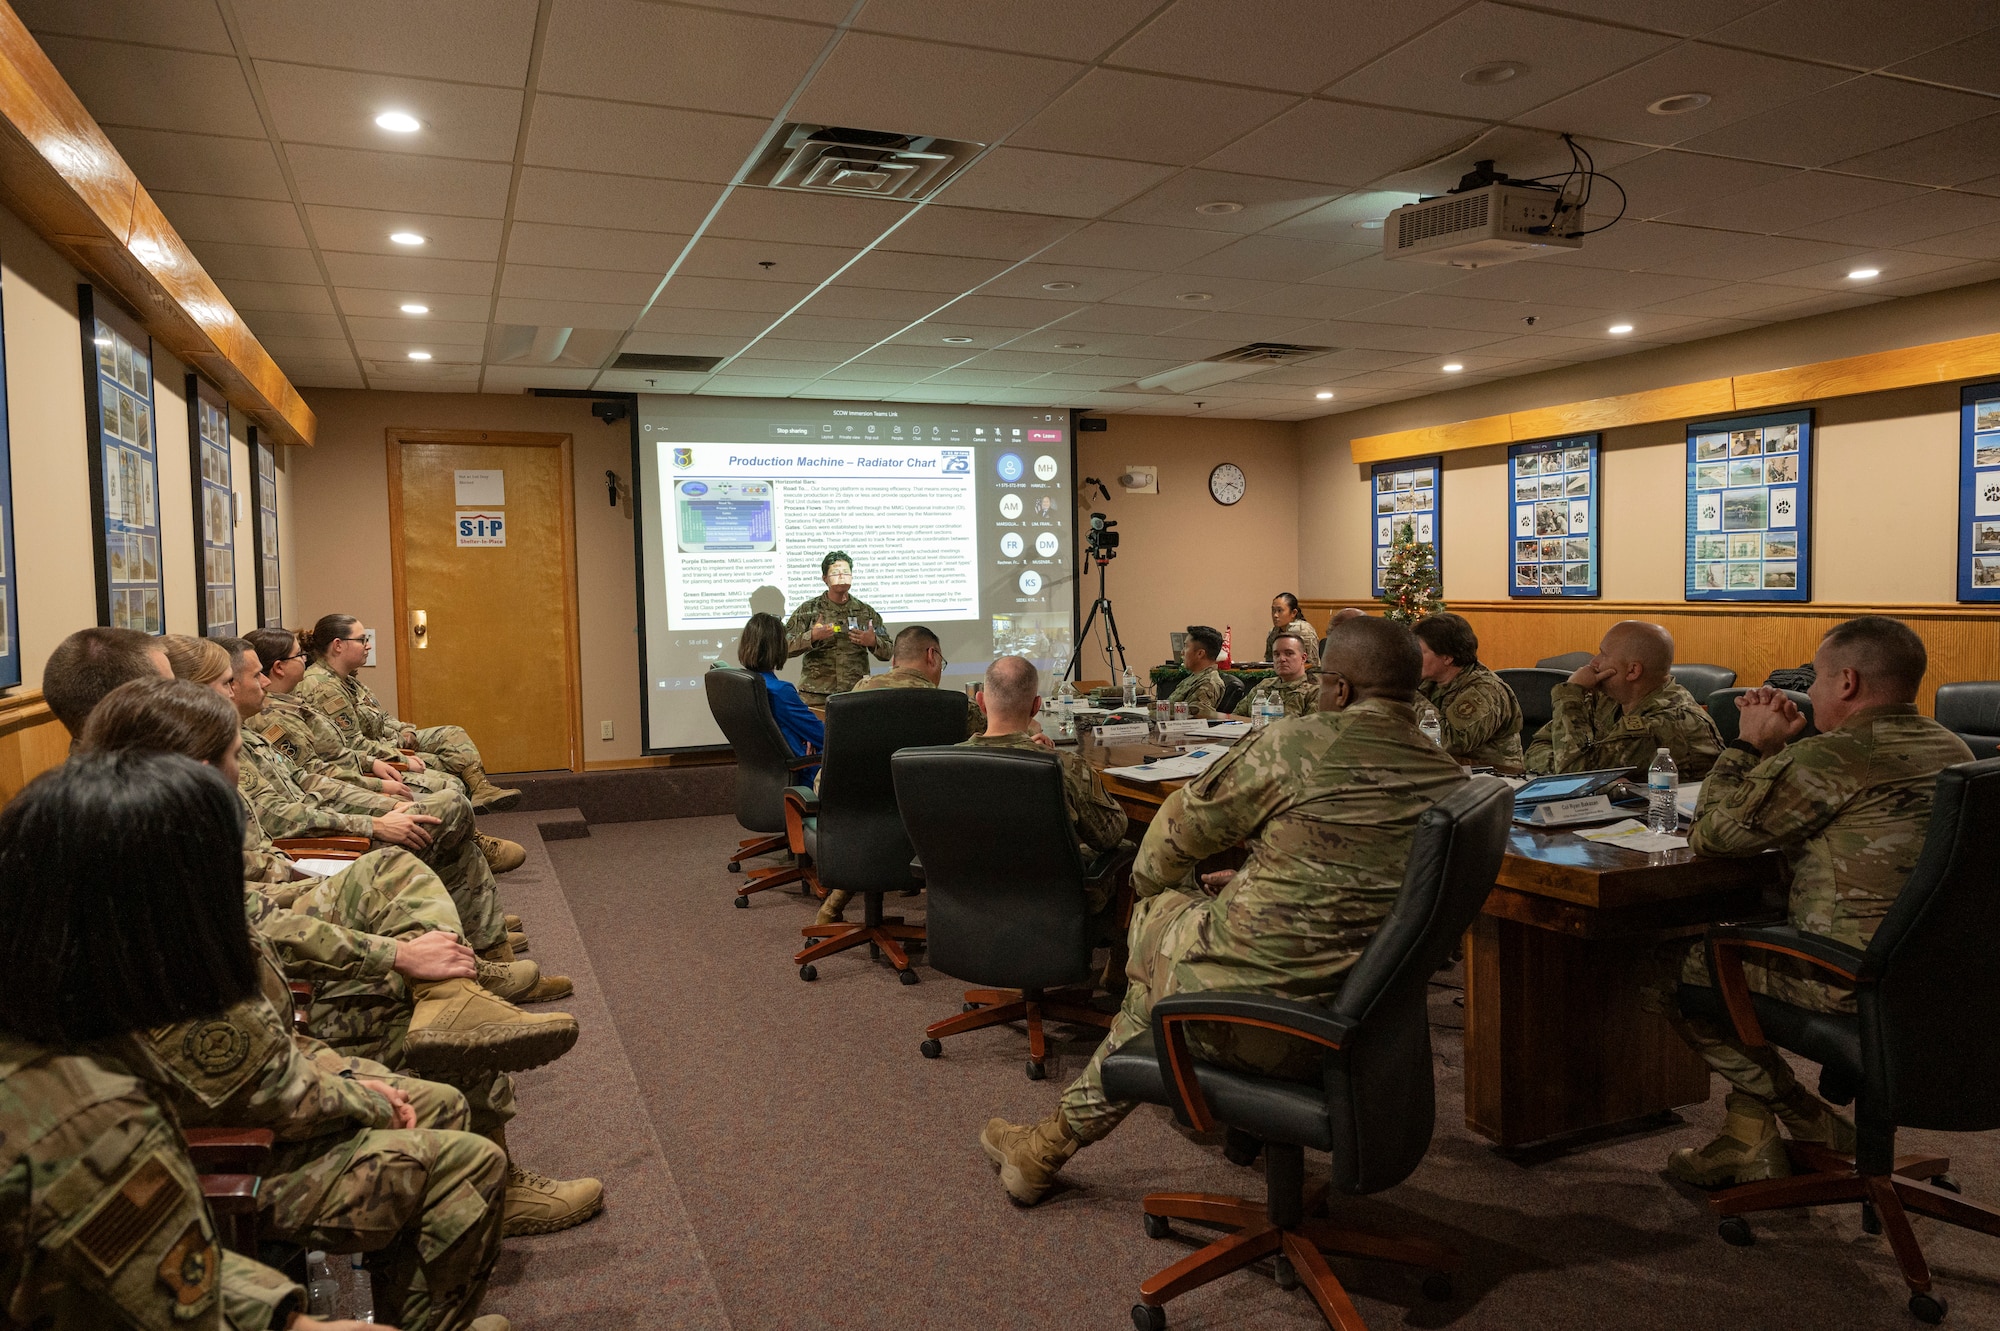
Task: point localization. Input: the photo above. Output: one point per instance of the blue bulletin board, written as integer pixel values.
(1749, 508)
(1552, 494)
(270, 608)
(1979, 493)
(214, 509)
(1407, 494)
(124, 466)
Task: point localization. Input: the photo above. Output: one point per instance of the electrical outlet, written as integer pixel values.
(604, 730)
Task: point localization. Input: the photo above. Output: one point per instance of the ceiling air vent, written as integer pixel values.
(1244, 361)
(828, 159)
(640, 360)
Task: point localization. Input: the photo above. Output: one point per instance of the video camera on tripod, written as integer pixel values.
(1100, 542)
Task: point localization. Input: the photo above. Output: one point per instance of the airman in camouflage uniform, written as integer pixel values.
(835, 661)
(907, 677)
(425, 1202)
(1591, 732)
(1296, 696)
(371, 731)
(316, 747)
(1286, 604)
(1479, 719)
(101, 1217)
(1201, 691)
(1099, 820)
(1327, 805)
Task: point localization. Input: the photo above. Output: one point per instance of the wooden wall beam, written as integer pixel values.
(61, 175)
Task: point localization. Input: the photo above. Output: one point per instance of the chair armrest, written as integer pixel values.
(800, 804)
(803, 761)
(1109, 862)
(231, 1194)
(322, 847)
(229, 1150)
(1728, 942)
(1305, 1021)
(302, 999)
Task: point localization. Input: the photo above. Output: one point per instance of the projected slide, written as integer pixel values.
(958, 518)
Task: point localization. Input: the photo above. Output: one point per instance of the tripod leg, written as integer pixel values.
(1082, 637)
(1112, 621)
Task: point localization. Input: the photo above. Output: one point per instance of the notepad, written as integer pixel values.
(1187, 765)
(1632, 834)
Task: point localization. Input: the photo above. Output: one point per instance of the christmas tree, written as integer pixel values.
(1411, 587)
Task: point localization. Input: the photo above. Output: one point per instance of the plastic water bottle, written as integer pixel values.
(1267, 710)
(1066, 712)
(321, 1288)
(1432, 730)
(1663, 782)
(364, 1292)
(1131, 688)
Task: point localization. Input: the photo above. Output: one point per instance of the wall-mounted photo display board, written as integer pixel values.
(1749, 508)
(214, 508)
(1979, 493)
(270, 609)
(1407, 496)
(1552, 495)
(10, 629)
(124, 465)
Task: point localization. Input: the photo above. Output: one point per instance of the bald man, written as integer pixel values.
(1622, 706)
(1327, 804)
(1848, 808)
(916, 661)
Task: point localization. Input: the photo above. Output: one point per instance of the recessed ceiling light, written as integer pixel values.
(1058, 286)
(1498, 71)
(1452, 368)
(406, 238)
(958, 339)
(1863, 274)
(1369, 224)
(1679, 104)
(1069, 346)
(414, 308)
(1219, 208)
(1195, 297)
(399, 122)
(420, 355)
(1619, 330)
(1324, 394)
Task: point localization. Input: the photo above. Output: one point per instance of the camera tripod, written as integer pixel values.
(1102, 605)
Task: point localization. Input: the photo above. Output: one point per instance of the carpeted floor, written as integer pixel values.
(778, 1155)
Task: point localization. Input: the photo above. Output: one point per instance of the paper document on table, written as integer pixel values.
(1190, 764)
(1124, 732)
(1632, 834)
(323, 868)
(1228, 732)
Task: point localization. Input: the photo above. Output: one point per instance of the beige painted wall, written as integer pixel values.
(1184, 558)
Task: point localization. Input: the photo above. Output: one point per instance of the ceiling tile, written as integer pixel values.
(281, 323)
(1633, 245)
(1430, 310)
(1688, 18)
(249, 297)
(1005, 311)
(157, 89)
(911, 87)
(1663, 183)
(1862, 34)
(564, 313)
(1022, 180)
(339, 106)
(1127, 245)
(1894, 266)
(882, 374)
(575, 133)
(715, 256)
(367, 231)
(514, 378)
(323, 373)
(792, 215)
(718, 293)
(760, 387)
(1740, 84)
(579, 198)
(1392, 337)
(241, 221)
(390, 272)
(1792, 202)
(1112, 113)
(450, 353)
(592, 247)
(396, 180)
(385, 303)
(1381, 274)
(1738, 300)
(416, 332)
(1166, 291)
(1746, 258)
(192, 25)
(977, 232)
(307, 348)
(1315, 302)
(1537, 279)
(1338, 143)
(1268, 259)
(612, 288)
(1265, 202)
(1146, 319)
(1939, 280)
(1948, 157)
(920, 272)
(791, 369)
(1083, 283)
(979, 378)
(475, 41)
(1935, 213)
(682, 344)
(1274, 43)
(671, 55)
(256, 263)
(1973, 63)
(1033, 27)
(201, 163)
(909, 357)
(1236, 326)
(1034, 361)
(1560, 55)
(1624, 292)
(720, 323)
(1336, 222)
(929, 334)
(1979, 242)
(783, 348)
(846, 302)
(1846, 120)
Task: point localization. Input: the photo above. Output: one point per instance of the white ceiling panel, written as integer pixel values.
(324, 374)
(1174, 291)
(1488, 316)
(339, 106)
(579, 198)
(1894, 266)
(367, 231)
(787, 348)
(515, 378)
(1948, 157)
(395, 180)
(1973, 63)
(239, 221)
(789, 215)
(1137, 319)
(1265, 201)
(1979, 242)
(1275, 43)
(1113, 113)
(910, 87)
(746, 260)
(1686, 18)
(721, 293)
(1022, 180)
(1739, 300)
(250, 297)
(846, 302)
(1847, 120)
(1316, 302)
(913, 357)
(442, 351)
(789, 369)
(1381, 274)
(192, 25)
(415, 332)
(1791, 203)
(592, 247)
(280, 323)
(201, 163)
(1664, 183)
(387, 303)
(1339, 143)
(1128, 245)
(564, 313)
(578, 134)
(190, 91)
(682, 344)
(933, 334)
(1232, 326)
(474, 41)
(308, 348)
(594, 284)
(1924, 217)
(1862, 34)
(977, 232)
(1740, 84)
(671, 55)
(1270, 259)
(256, 263)
(1006, 311)
(720, 323)
(1076, 282)
(919, 272)
(1620, 292)
(1918, 284)
(390, 272)
(722, 386)
(1058, 28)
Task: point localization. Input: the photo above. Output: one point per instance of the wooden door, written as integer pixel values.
(485, 572)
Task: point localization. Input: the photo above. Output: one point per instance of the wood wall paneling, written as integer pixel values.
(31, 741)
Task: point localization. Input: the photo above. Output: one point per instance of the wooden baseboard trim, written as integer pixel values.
(659, 760)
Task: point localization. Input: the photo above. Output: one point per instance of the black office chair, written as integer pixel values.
(741, 706)
(1532, 689)
(1373, 1112)
(1922, 1050)
(1702, 680)
(1234, 686)
(1721, 709)
(1972, 710)
(852, 833)
(1006, 887)
(1568, 662)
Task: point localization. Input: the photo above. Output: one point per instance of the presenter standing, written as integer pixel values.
(836, 633)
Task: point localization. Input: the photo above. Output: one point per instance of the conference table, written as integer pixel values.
(1557, 1045)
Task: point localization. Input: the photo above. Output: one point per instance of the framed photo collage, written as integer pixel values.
(1979, 493)
(1407, 497)
(1553, 501)
(1749, 483)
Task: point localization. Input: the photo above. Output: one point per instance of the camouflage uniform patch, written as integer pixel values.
(1298, 697)
(1591, 732)
(1200, 692)
(840, 663)
(1479, 719)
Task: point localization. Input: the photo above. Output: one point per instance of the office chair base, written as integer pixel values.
(757, 880)
(995, 1007)
(1303, 1247)
(1919, 1183)
(889, 936)
(751, 847)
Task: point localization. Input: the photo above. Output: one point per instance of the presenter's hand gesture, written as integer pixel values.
(864, 637)
(821, 632)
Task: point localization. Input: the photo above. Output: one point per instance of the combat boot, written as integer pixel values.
(833, 909)
(1748, 1149)
(509, 979)
(502, 951)
(538, 1204)
(512, 922)
(491, 1322)
(518, 941)
(1028, 1158)
(485, 796)
(1811, 1119)
(457, 1026)
(502, 856)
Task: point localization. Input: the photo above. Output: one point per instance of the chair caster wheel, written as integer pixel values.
(1870, 1222)
(808, 972)
(1148, 1318)
(1945, 1181)
(1927, 1308)
(742, 902)
(931, 1048)
(968, 1007)
(1288, 1278)
(1036, 1072)
(1240, 1148)
(907, 977)
(874, 952)
(1437, 1288)
(736, 866)
(1735, 1231)
(1158, 1227)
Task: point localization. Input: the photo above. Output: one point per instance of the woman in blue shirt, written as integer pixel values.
(761, 650)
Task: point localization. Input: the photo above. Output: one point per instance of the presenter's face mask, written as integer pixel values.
(839, 575)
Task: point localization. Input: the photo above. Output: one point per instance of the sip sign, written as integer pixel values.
(481, 527)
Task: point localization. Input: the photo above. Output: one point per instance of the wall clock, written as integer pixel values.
(1225, 483)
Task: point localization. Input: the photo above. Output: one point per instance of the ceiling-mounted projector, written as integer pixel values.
(1479, 227)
